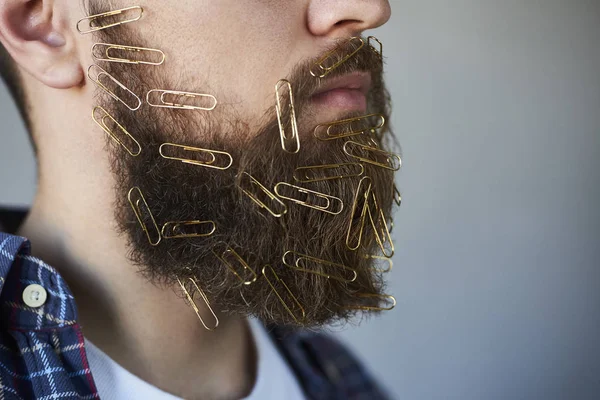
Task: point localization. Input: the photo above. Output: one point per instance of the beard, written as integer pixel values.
(307, 292)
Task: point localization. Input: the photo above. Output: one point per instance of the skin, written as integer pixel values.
(238, 50)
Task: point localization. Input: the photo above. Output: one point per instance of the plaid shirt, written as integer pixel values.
(42, 353)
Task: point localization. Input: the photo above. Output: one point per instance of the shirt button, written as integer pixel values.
(35, 296)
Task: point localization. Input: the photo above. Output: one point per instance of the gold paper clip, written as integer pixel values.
(378, 48)
(190, 297)
(102, 52)
(360, 205)
(290, 140)
(328, 172)
(392, 161)
(94, 22)
(276, 208)
(397, 196)
(134, 150)
(188, 229)
(330, 204)
(349, 127)
(164, 100)
(136, 199)
(213, 159)
(237, 265)
(133, 102)
(390, 302)
(386, 260)
(378, 220)
(329, 62)
(291, 308)
(296, 260)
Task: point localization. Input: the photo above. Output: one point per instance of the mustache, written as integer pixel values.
(344, 58)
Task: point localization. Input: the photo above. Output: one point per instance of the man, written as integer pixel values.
(213, 187)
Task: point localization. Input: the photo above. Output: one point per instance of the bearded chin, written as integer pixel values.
(228, 264)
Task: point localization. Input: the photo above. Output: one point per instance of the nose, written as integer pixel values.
(343, 18)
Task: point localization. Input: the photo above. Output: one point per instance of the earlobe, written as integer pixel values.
(36, 34)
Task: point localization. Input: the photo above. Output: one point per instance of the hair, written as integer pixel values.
(12, 78)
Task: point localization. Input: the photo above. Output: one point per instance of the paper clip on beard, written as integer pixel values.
(181, 100)
(380, 227)
(298, 262)
(328, 172)
(373, 155)
(397, 196)
(214, 159)
(127, 97)
(311, 199)
(119, 134)
(358, 215)
(188, 229)
(261, 196)
(377, 47)
(93, 23)
(190, 294)
(144, 215)
(236, 264)
(106, 52)
(389, 300)
(349, 127)
(289, 134)
(331, 61)
(279, 287)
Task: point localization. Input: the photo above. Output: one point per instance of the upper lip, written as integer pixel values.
(360, 81)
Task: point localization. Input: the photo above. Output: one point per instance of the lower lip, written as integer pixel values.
(344, 99)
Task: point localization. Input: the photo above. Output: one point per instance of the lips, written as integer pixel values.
(345, 93)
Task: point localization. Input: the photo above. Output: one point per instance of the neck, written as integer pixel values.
(149, 330)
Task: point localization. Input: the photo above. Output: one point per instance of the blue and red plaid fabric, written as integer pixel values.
(42, 353)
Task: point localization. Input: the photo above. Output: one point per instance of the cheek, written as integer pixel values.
(235, 50)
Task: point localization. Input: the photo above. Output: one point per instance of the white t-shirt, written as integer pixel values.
(275, 379)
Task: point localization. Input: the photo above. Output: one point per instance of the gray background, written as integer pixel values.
(497, 106)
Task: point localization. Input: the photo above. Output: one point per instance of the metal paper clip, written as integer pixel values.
(392, 161)
(103, 51)
(377, 218)
(188, 229)
(102, 123)
(328, 172)
(397, 196)
(290, 139)
(291, 308)
(190, 297)
(390, 302)
(94, 22)
(220, 160)
(136, 199)
(386, 260)
(330, 62)
(360, 205)
(296, 261)
(168, 99)
(237, 265)
(329, 204)
(133, 102)
(349, 127)
(376, 48)
(276, 207)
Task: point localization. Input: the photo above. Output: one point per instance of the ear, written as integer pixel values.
(36, 33)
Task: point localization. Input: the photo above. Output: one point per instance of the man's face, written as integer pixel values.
(289, 258)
